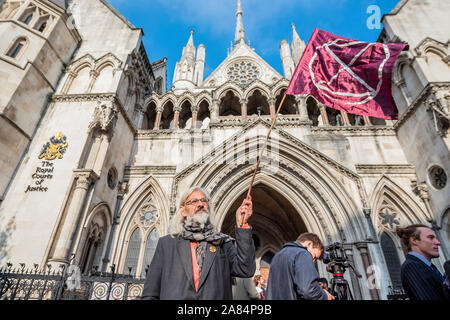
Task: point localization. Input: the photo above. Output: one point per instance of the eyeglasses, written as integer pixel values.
(195, 201)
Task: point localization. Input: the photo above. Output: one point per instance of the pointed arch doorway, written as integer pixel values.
(274, 222)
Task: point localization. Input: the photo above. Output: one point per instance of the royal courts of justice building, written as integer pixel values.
(96, 150)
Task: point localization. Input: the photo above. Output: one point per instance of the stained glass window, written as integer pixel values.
(150, 248)
(392, 260)
(134, 246)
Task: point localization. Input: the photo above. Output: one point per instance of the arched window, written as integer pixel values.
(313, 111)
(185, 117)
(93, 243)
(17, 48)
(229, 105)
(203, 115)
(289, 103)
(28, 19)
(150, 247)
(143, 240)
(151, 117)
(132, 258)
(334, 117)
(257, 104)
(392, 260)
(92, 251)
(42, 27)
(167, 116)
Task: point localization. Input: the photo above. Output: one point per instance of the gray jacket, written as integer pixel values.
(292, 275)
(170, 274)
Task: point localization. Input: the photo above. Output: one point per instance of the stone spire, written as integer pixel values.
(297, 46)
(286, 59)
(240, 32)
(189, 49)
(184, 69)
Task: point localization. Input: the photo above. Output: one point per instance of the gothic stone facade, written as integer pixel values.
(97, 156)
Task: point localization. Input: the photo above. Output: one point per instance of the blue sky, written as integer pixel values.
(166, 24)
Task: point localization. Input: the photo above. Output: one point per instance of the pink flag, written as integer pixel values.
(348, 75)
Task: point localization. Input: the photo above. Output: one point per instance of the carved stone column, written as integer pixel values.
(345, 117)
(244, 108)
(194, 110)
(364, 250)
(122, 189)
(421, 190)
(69, 223)
(272, 107)
(214, 110)
(323, 113)
(139, 116)
(176, 116)
(159, 111)
(302, 107)
(93, 76)
(104, 119)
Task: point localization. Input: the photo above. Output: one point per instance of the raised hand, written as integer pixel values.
(244, 212)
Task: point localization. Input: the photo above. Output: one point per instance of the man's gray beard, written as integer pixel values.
(200, 219)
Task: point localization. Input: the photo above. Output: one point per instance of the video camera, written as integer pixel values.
(335, 258)
(337, 262)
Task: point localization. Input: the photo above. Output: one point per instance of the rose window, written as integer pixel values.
(438, 177)
(148, 214)
(243, 73)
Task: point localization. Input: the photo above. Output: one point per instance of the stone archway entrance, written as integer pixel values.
(275, 221)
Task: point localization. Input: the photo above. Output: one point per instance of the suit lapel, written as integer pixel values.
(425, 267)
(211, 252)
(184, 251)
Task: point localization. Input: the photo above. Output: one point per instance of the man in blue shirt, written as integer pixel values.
(420, 278)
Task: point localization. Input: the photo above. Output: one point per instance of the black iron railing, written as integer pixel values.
(64, 283)
(397, 294)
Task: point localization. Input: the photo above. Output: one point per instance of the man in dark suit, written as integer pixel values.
(420, 278)
(195, 261)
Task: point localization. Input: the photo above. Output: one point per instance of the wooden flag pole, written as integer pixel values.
(262, 150)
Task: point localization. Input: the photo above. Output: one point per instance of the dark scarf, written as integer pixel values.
(194, 232)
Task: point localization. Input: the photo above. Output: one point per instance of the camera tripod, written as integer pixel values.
(337, 262)
(340, 287)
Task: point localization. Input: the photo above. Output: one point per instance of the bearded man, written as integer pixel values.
(195, 261)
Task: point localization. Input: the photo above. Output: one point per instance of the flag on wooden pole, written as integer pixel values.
(348, 75)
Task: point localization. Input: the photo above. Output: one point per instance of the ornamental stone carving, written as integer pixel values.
(148, 214)
(243, 73)
(420, 189)
(105, 114)
(438, 104)
(84, 178)
(388, 217)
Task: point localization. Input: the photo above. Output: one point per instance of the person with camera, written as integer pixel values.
(292, 274)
